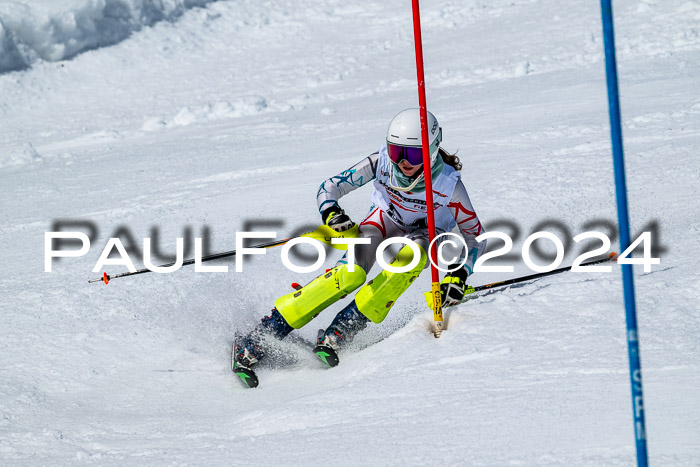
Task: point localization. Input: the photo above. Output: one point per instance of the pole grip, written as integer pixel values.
(437, 310)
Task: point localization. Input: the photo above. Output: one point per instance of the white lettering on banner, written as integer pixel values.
(198, 267)
(632, 336)
(604, 248)
(638, 406)
(637, 377)
(50, 253)
(104, 257)
(439, 251)
(240, 251)
(557, 243)
(478, 266)
(639, 429)
(179, 255)
(303, 269)
(390, 241)
(646, 260)
(351, 242)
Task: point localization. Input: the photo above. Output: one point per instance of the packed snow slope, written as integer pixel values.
(59, 29)
(227, 117)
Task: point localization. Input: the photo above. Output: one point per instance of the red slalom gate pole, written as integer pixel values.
(437, 298)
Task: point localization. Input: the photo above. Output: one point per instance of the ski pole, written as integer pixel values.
(471, 290)
(323, 234)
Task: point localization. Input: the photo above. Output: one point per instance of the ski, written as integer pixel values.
(278, 358)
(327, 355)
(247, 376)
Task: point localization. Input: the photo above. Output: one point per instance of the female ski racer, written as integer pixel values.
(398, 210)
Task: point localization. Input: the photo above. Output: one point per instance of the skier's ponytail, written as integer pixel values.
(450, 159)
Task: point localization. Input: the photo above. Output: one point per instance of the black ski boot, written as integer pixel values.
(345, 325)
(248, 350)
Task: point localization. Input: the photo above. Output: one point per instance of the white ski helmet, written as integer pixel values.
(403, 142)
(404, 131)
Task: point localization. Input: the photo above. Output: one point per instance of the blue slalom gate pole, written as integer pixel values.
(624, 227)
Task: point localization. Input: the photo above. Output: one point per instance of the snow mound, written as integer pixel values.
(61, 30)
(25, 156)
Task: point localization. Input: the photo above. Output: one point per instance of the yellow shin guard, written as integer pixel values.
(301, 306)
(376, 298)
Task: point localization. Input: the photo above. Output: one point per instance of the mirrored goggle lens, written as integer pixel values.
(412, 155)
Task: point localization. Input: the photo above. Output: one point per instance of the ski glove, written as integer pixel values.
(453, 287)
(336, 219)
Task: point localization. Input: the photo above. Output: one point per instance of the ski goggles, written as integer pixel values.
(411, 154)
